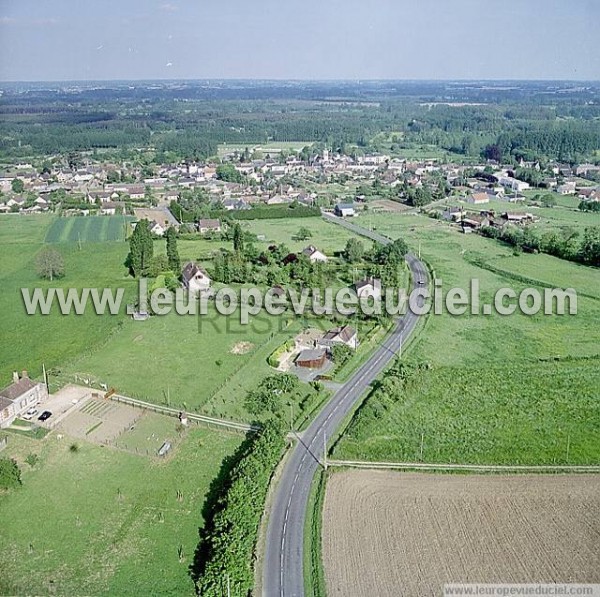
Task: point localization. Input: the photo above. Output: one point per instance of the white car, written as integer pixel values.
(30, 414)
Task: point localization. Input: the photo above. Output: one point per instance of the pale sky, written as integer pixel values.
(48, 40)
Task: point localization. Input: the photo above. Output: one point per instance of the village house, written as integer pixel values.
(108, 209)
(567, 188)
(518, 218)
(344, 210)
(478, 198)
(17, 398)
(194, 279)
(209, 225)
(157, 228)
(368, 288)
(346, 335)
(314, 254)
(135, 191)
(474, 221)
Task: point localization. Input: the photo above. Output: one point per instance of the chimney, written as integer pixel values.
(24, 374)
(15, 377)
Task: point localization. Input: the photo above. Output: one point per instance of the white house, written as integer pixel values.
(108, 209)
(314, 254)
(19, 397)
(478, 198)
(343, 335)
(209, 225)
(195, 279)
(368, 288)
(344, 210)
(157, 228)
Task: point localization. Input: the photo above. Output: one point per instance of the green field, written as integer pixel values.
(84, 229)
(185, 360)
(564, 215)
(542, 413)
(486, 382)
(325, 236)
(29, 341)
(106, 522)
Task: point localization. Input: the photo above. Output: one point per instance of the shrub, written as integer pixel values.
(10, 473)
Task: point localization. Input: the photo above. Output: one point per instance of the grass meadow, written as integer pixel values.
(102, 521)
(500, 389)
(30, 340)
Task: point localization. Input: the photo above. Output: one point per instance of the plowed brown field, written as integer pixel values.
(406, 534)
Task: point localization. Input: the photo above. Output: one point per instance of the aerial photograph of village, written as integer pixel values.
(299, 299)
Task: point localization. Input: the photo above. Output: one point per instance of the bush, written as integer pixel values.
(10, 473)
(32, 459)
(341, 354)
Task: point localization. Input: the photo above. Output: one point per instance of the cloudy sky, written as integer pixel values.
(299, 39)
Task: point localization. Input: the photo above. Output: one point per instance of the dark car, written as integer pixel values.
(45, 415)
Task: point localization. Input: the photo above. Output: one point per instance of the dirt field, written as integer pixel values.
(100, 421)
(389, 533)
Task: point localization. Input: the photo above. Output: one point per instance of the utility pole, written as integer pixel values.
(45, 377)
(228, 586)
(291, 417)
(422, 441)
(419, 249)
(568, 446)
(324, 450)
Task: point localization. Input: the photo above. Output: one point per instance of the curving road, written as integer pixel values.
(283, 572)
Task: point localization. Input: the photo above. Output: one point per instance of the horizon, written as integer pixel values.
(301, 80)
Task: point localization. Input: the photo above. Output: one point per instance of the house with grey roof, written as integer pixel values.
(19, 397)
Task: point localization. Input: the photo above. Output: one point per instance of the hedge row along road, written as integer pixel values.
(283, 573)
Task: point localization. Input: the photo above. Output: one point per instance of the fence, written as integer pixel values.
(173, 412)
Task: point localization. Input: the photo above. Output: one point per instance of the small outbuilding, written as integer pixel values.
(311, 359)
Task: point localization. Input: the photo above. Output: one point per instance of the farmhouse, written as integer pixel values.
(157, 228)
(474, 221)
(344, 210)
(342, 335)
(478, 198)
(18, 397)
(209, 225)
(194, 279)
(108, 209)
(369, 287)
(311, 359)
(314, 254)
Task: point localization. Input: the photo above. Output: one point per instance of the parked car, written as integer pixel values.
(45, 415)
(30, 414)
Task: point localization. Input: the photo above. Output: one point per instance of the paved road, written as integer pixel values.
(283, 573)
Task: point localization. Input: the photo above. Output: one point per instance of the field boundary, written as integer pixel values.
(174, 412)
(432, 466)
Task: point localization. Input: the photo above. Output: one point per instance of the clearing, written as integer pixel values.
(386, 530)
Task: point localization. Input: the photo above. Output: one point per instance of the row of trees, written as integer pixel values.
(565, 244)
(224, 557)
